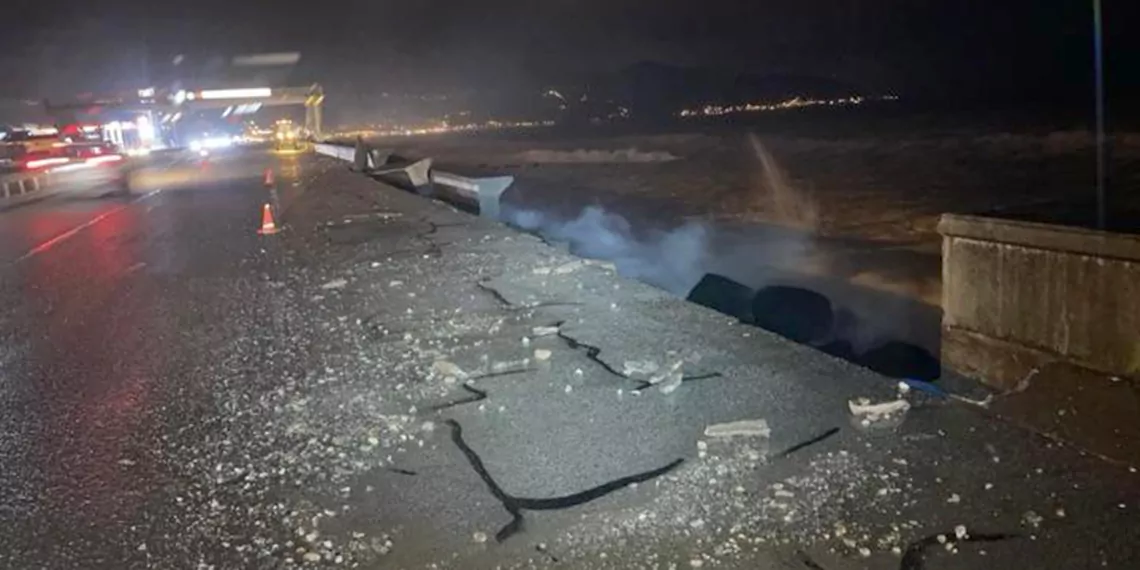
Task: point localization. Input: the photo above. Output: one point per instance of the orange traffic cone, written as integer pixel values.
(268, 226)
(269, 177)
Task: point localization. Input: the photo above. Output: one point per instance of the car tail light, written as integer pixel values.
(45, 162)
(106, 158)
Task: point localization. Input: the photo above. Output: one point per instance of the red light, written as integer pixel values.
(45, 162)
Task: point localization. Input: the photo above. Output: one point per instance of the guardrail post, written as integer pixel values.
(418, 173)
(490, 192)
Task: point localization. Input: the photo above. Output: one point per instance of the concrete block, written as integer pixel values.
(378, 158)
(416, 174)
(1015, 293)
(491, 193)
(487, 192)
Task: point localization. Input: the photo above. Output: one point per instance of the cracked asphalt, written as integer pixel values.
(391, 383)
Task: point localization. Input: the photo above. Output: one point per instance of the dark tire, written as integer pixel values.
(797, 314)
(722, 294)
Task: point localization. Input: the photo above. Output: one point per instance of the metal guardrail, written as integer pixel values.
(486, 192)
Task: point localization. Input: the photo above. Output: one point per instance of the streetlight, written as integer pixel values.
(1101, 158)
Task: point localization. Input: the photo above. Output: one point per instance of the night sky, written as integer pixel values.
(918, 48)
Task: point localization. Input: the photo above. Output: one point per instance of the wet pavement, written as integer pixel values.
(390, 383)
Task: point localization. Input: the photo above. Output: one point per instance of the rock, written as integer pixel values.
(447, 368)
(751, 428)
(544, 331)
(960, 532)
(542, 354)
(335, 284)
(311, 557)
(666, 373)
(479, 537)
(639, 368)
(568, 267)
(863, 407)
(670, 379)
(881, 415)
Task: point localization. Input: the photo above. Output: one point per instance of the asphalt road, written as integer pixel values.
(116, 305)
(369, 389)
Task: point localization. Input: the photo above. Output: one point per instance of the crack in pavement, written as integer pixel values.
(515, 505)
(482, 285)
(401, 471)
(592, 353)
(513, 307)
(645, 384)
(914, 557)
(500, 374)
(477, 395)
(807, 443)
(433, 247)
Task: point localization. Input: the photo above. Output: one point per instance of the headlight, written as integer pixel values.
(196, 145)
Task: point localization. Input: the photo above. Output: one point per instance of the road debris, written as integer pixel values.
(883, 413)
(639, 368)
(335, 284)
(542, 354)
(446, 368)
(743, 428)
(669, 379)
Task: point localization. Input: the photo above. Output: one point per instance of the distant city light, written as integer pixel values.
(409, 131)
(794, 103)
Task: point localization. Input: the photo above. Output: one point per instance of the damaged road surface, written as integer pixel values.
(391, 383)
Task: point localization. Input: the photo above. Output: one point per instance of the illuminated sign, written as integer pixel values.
(235, 93)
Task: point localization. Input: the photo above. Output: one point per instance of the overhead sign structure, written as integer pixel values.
(266, 59)
(248, 93)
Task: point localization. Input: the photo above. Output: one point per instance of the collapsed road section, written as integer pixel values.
(391, 383)
(546, 366)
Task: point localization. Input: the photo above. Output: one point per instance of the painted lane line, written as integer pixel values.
(45, 246)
